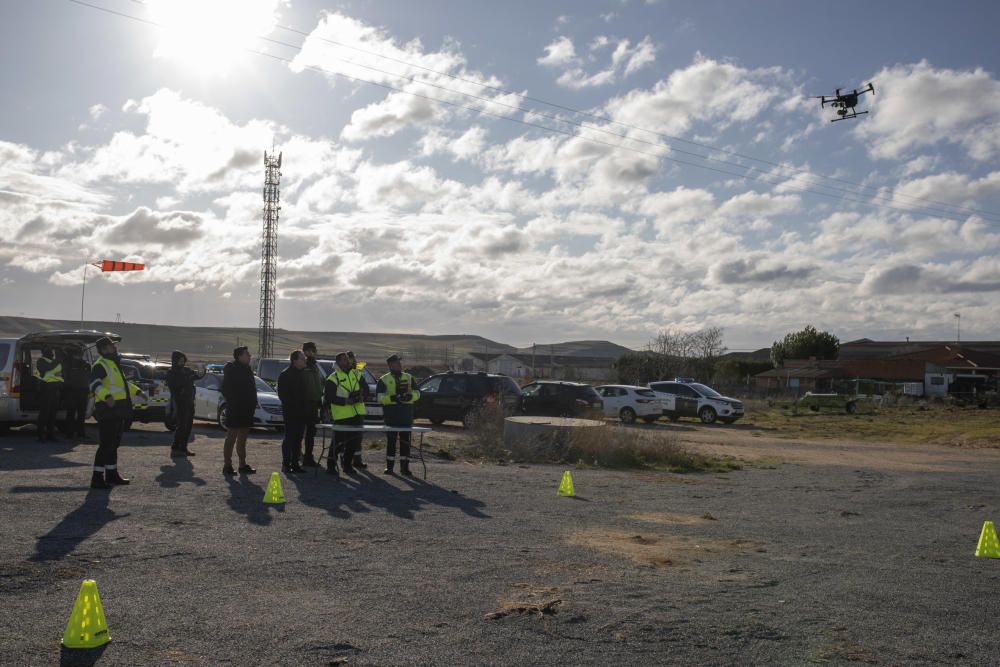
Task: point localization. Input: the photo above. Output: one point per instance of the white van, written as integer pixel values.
(18, 356)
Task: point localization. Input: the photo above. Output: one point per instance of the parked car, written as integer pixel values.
(210, 405)
(627, 402)
(151, 378)
(693, 399)
(841, 402)
(456, 396)
(18, 356)
(269, 370)
(560, 399)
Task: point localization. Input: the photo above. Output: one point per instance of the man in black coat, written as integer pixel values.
(76, 392)
(295, 406)
(180, 382)
(239, 390)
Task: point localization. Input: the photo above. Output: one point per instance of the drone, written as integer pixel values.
(845, 103)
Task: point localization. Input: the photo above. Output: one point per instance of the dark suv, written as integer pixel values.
(560, 399)
(456, 396)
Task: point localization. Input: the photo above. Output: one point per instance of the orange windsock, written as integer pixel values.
(111, 265)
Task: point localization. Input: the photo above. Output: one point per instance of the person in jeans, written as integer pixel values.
(295, 408)
(315, 379)
(180, 381)
(239, 390)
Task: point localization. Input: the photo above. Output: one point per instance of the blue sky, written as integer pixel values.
(130, 141)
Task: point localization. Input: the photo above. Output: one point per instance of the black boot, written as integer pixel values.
(308, 461)
(388, 468)
(359, 462)
(112, 477)
(97, 481)
(331, 469)
(404, 469)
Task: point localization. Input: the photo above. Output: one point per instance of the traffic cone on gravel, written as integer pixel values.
(87, 627)
(566, 485)
(274, 494)
(988, 546)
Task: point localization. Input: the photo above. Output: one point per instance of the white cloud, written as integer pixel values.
(97, 110)
(625, 61)
(559, 52)
(343, 45)
(918, 105)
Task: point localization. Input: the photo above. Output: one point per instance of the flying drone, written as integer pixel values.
(845, 103)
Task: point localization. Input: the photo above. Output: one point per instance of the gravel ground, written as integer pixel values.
(844, 561)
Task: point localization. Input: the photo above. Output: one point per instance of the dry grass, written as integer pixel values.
(607, 446)
(917, 423)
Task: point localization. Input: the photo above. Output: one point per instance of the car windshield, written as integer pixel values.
(707, 392)
(263, 386)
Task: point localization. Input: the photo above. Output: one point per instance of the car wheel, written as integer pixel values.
(627, 415)
(222, 418)
(707, 415)
(851, 408)
(467, 419)
(437, 421)
(651, 419)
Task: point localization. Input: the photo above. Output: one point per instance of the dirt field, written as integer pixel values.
(828, 552)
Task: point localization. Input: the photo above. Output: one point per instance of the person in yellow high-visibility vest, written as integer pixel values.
(359, 461)
(397, 394)
(112, 408)
(49, 380)
(342, 393)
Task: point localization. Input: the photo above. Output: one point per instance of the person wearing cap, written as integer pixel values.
(315, 380)
(342, 394)
(112, 408)
(359, 461)
(180, 382)
(49, 380)
(239, 389)
(396, 393)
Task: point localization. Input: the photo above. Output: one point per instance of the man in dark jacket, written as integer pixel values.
(292, 390)
(315, 381)
(180, 382)
(239, 390)
(76, 391)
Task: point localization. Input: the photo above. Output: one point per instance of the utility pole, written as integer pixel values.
(958, 327)
(269, 254)
(534, 373)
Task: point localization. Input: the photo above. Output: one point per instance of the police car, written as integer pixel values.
(692, 399)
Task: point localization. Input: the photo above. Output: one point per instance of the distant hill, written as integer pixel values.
(217, 343)
(579, 348)
(763, 354)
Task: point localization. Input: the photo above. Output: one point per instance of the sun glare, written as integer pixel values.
(211, 36)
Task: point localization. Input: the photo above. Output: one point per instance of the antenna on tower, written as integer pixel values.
(269, 254)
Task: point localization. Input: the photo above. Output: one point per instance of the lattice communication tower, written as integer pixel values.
(269, 254)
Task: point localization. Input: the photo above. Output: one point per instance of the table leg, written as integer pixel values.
(322, 451)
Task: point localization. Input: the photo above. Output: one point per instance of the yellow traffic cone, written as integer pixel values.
(988, 546)
(87, 627)
(274, 494)
(566, 485)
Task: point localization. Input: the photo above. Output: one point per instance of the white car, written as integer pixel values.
(691, 399)
(626, 402)
(209, 403)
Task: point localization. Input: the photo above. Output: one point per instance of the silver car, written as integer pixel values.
(210, 405)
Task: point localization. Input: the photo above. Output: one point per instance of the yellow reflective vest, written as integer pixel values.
(346, 383)
(54, 374)
(388, 381)
(112, 384)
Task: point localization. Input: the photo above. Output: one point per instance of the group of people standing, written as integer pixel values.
(308, 396)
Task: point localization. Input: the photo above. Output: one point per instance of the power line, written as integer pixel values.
(610, 120)
(484, 112)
